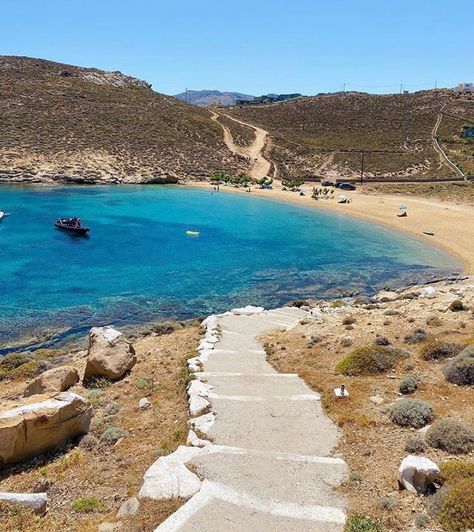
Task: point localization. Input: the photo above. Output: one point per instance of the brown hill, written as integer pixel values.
(323, 135)
(65, 123)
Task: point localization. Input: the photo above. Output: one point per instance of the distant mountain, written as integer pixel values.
(205, 98)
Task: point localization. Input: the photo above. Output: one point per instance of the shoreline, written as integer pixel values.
(452, 235)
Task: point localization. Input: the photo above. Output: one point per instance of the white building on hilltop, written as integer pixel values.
(464, 88)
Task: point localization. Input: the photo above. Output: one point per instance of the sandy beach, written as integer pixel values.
(452, 224)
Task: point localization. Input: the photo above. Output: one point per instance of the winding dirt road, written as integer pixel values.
(260, 165)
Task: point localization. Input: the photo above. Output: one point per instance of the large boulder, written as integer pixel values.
(53, 381)
(109, 354)
(417, 473)
(33, 428)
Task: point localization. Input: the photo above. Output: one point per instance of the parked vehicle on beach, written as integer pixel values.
(346, 186)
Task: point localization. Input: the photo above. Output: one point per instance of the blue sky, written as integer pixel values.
(256, 47)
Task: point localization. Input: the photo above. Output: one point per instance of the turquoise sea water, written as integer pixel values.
(139, 265)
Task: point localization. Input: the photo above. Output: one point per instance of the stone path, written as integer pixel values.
(269, 466)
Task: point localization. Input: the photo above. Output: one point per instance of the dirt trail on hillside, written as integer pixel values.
(260, 165)
(444, 159)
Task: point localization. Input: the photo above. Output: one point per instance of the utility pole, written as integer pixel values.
(344, 87)
(436, 84)
(187, 98)
(401, 88)
(362, 167)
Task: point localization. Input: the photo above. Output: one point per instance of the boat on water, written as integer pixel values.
(71, 225)
(2, 216)
(193, 233)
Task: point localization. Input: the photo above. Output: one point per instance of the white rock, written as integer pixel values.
(168, 477)
(194, 441)
(211, 322)
(416, 473)
(144, 403)
(196, 387)
(203, 423)
(129, 507)
(38, 502)
(428, 292)
(197, 405)
(247, 311)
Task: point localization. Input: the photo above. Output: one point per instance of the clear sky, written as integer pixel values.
(252, 46)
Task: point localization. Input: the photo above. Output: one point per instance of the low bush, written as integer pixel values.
(369, 360)
(86, 504)
(362, 523)
(451, 436)
(387, 503)
(456, 513)
(454, 470)
(436, 350)
(460, 370)
(348, 320)
(415, 445)
(456, 306)
(14, 360)
(113, 434)
(417, 336)
(382, 340)
(434, 321)
(408, 384)
(411, 413)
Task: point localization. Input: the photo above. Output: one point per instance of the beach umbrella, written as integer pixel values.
(403, 207)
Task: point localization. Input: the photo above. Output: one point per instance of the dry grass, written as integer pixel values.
(400, 126)
(58, 124)
(371, 444)
(112, 473)
(460, 192)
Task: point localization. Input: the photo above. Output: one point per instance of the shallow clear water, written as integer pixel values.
(139, 265)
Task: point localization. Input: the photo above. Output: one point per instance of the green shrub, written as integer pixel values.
(456, 306)
(454, 470)
(460, 370)
(411, 413)
(14, 360)
(451, 436)
(456, 514)
(417, 336)
(435, 350)
(434, 321)
(86, 504)
(369, 360)
(113, 434)
(408, 384)
(415, 445)
(362, 523)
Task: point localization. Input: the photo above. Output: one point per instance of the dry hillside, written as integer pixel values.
(321, 135)
(66, 123)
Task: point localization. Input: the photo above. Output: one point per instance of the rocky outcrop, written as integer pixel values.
(53, 381)
(109, 355)
(417, 473)
(34, 428)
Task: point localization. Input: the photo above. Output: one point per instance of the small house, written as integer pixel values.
(464, 88)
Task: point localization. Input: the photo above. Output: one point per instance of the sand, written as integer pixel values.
(452, 225)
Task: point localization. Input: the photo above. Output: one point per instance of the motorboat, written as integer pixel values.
(71, 225)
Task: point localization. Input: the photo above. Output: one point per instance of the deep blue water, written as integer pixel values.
(139, 265)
